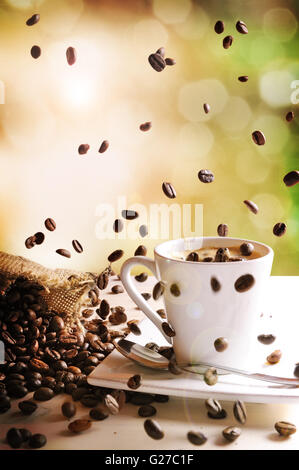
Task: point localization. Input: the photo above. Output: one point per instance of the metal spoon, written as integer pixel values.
(149, 358)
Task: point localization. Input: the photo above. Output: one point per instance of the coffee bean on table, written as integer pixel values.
(258, 138)
(37, 441)
(219, 27)
(210, 376)
(244, 283)
(291, 178)
(274, 357)
(196, 438)
(111, 404)
(129, 214)
(279, 229)
(39, 238)
(240, 411)
(140, 399)
(175, 290)
(161, 398)
(251, 206)
(83, 149)
(241, 27)
(220, 344)
(284, 428)
(98, 414)
(5, 404)
(193, 256)
(153, 429)
(146, 411)
(231, 433)
(117, 289)
(157, 62)
(27, 407)
(68, 409)
(206, 176)
(170, 61)
(118, 226)
(43, 394)
(169, 190)
(14, 438)
(77, 246)
(290, 116)
(141, 250)
(35, 52)
(161, 51)
(33, 20)
(79, 425)
(146, 126)
(168, 330)
(134, 382)
(206, 108)
(158, 290)
(246, 249)
(215, 284)
(115, 256)
(243, 78)
(141, 277)
(222, 230)
(63, 252)
(71, 55)
(227, 41)
(266, 339)
(26, 434)
(50, 224)
(143, 231)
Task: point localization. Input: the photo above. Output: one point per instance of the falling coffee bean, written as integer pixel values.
(134, 328)
(219, 27)
(240, 412)
(35, 52)
(168, 330)
(213, 406)
(169, 190)
(77, 246)
(231, 433)
(68, 409)
(103, 280)
(143, 231)
(146, 126)
(291, 178)
(210, 376)
(246, 249)
(63, 252)
(157, 62)
(161, 51)
(71, 55)
(279, 229)
(39, 238)
(241, 27)
(206, 108)
(284, 428)
(274, 357)
(141, 250)
(196, 438)
(244, 283)
(258, 138)
(215, 284)
(30, 242)
(175, 290)
(104, 146)
(118, 225)
(134, 382)
(50, 224)
(37, 441)
(227, 41)
(193, 256)
(79, 425)
(220, 344)
(141, 277)
(266, 339)
(296, 371)
(83, 149)
(251, 206)
(27, 407)
(153, 429)
(243, 78)
(33, 20)
(290, 116)
(169, 61)
(115, 256)
(146, 411)
(222, 230)
(129, 214)
(205, 176)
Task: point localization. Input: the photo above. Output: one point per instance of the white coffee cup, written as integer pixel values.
(199, 315)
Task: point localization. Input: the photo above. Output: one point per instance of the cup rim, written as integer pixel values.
(269, 253)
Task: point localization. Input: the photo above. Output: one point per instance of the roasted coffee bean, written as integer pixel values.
(213, 406)
(57, 323)
(39, 238)
(146, 126)
(77, 246)
(231, 433)
(37, 441)
(244, 283)
(140, 251)
(43, 394)
(5, 404)
(237, 258)
(146, 295)
(140, 399)
(174, 368)
(215, 284)
(134, 382)
(161, 51)
(129, 214)
(219, 27)
(115, 256)
(220, 344)
(157, 62)
(87, 312)
(134, 328)
(141, 277)
(143, 231)
(98, 414)
(33, 384)
(221, 415)
(117, 289)
(161, 398)
(59, 365)
(27, 407)
(290, 116)
(161, 312)
(169, 190)
(118, 225)
(241, 27)
(170, 61)
(14, 438)
(206, 108)
(26, 434)
(71, 55)
(30, 242)
(104, 309)
(222, 255)
(222, 230)
(246, 249)
(49, 382)
(79, 425)
(146, 411)
(89, 400)
(206, 176)
(152, 346)
(274, 357)
(240, 411)
(243, 78)
(196, 438)
(175, 290)
(67, 340)
(35, 52)
(291, 178)
(103, 280)
(158, 290)
(296, 371)
(83, 149)
(227, 41)
(104, 146)
(251, 206)
(284, 428)
(33, 20)
(258, 138)
(210, 376)
(68, 409)
(118, 316)
(168, 330)
(266, 339)
(153, 429)
(166, 351)
(193, 256)
(17, 390)
(50, 224)
(63, 252)
(111, 404)
(279, 229)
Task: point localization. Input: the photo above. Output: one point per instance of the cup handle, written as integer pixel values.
(125, 275)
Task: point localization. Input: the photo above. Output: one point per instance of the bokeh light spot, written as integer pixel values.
(149, 35)
(236, 115)
(195, 25)
(280, 24)
(172, 11)
(24, 4)
(251, 167)
(275, 87)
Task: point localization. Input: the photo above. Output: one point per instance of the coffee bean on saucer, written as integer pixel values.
(205, 176)
(222, 230)
(146, 411)
(68, 409)
(115, 256)
(220, 344)
(141, 250)
(169, 190)
(79, 425)
(258, 138)
(240, 411)
(219, 27)
(153, 429)
(134, 382)
(118, 225)
(33, 20)
(161, 51)
(157, 62)
(246, 249)
(196, 438)
(143, 231)
(206, 108)
(168, 330)
(290, 116)
(231, 433)
(30, 242)
(279, 229)
(98, 414)
(284, 428)
(37, 441)
(50, 224)
(39, 238)
(158, 290)
(141, 277)
(129, 214)
(244, 283)
(35, 52)
(77, 246)
(243, 78)
(227, 41)
(213, 406)
(27, 407)
(241, 27)
(71, 55)
(274, 357)
(146, 126)
(251, 206)
(215, 284)
(104, 146)
(291, 178)
(14, 438)
(266, 339)
(83, 149)
(193, 256)
(175, 290)
(210, 376)
(63, 252)
(117, 289)
(170, 61)
(222, 255)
